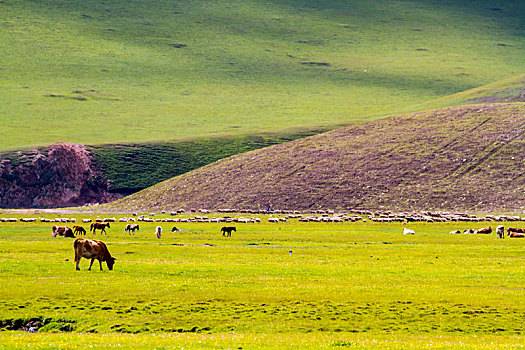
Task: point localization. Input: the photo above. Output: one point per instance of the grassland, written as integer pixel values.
(363, 285)
(93, 72)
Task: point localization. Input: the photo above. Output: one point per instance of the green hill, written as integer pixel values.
(96, 72)
(455, 158)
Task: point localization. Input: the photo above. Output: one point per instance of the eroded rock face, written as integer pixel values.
(60, 175)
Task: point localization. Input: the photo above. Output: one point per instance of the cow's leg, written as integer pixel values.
(91, 264)
(100, 263)
(78, 262)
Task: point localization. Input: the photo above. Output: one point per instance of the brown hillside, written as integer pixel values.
(458, 158)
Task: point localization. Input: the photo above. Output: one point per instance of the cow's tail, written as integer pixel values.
(76, 243)
(91, 227)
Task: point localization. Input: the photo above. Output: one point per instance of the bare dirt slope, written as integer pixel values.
(60, 175)
(465, 158)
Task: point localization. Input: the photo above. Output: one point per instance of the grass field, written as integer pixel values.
(360, 285)
(101, 72)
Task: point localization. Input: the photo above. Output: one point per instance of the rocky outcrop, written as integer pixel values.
(60, 175)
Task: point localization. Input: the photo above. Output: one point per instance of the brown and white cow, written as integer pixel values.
(62, 231)
(514, 229)
(92, 249)
(513, 232)
(484, 230)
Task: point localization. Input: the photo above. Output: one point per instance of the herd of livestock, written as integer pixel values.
(101, 224)
(96, 250)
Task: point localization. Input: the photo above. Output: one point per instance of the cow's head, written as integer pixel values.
(110, 262)
(107, 224)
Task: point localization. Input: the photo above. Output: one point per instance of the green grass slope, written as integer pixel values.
(133, 167)
(506, 90)
(97, 72)
(465, 158)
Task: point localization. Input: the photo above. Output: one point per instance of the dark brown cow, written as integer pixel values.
(99, 226)
(92, 249)
(485, 230)
(79, 229)
(62, 231)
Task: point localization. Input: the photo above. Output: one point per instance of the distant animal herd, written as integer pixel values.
(97, 250)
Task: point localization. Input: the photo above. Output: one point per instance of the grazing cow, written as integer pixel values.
(92, 249)
(62, 231)
(484, 230)
(227, 231)
(99, 226)
(515, 230)
(500, 231)
(130, 228)
(406, 231)
(79, 230)
(175, 229)
(158, 231)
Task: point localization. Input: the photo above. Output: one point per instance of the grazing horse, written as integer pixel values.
(158, 231)
(99, 226)
(92, 249)
(130, 228)
(227, 231)
(79, 229)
